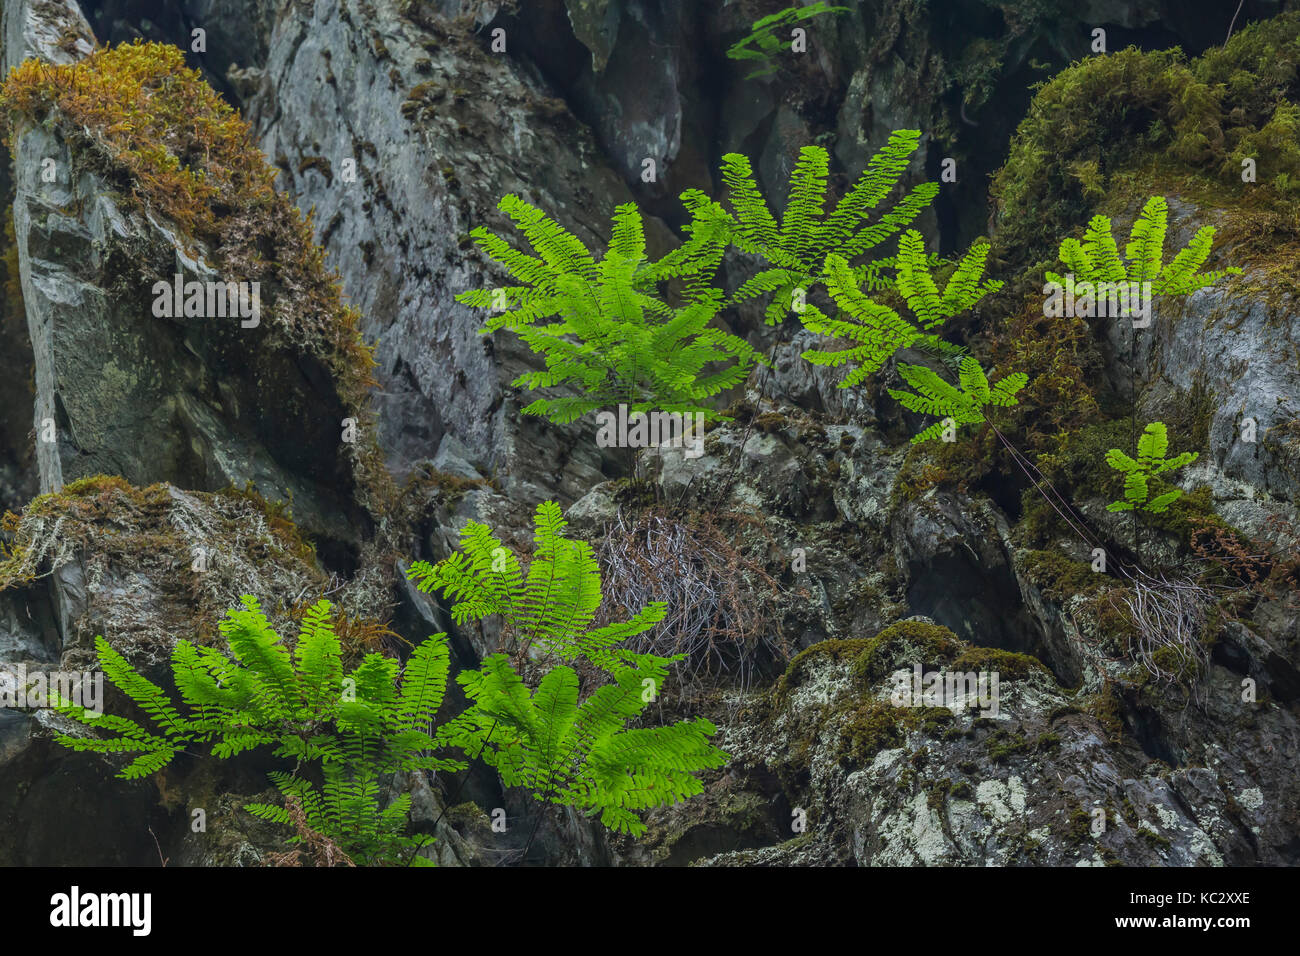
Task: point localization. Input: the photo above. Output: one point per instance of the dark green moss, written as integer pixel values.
(936, 720)
(635, 493)
(1080, 826)
(872, 726)
(1108, 710)
(836, 649)
(902, 645)
(319, 163)
(1061, 578)
(1009, 665)
(938, 792)
(1002, 745)
(1158, 841)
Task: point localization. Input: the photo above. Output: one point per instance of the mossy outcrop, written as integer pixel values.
(131, 171)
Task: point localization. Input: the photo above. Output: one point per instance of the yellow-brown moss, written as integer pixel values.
(1160, 115)
(279, 517)
(170, 143)
(112, 524)
(872, 725)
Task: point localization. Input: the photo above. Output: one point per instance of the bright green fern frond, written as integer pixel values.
(1146, 245)
(877, 332)
(768, 36)
(963, 406)
(1152, 448)
(804, 207)
(1096, 259)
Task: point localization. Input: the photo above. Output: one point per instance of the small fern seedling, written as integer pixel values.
(762, 44)
(1151, 461)
(1096, 258)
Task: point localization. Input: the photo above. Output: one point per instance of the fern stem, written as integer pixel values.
(1025, 464)
(744, 438)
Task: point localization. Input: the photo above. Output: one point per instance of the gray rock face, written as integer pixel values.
(1037, 783)
(1242, 351)
(438, 130)
(205, 403)
(957, 559)
(1085, 761)
(1233, 351)
(120, 391)
(56, 32)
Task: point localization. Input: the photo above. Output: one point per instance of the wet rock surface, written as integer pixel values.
(400, 128)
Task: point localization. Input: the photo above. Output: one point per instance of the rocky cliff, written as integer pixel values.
(160, 465)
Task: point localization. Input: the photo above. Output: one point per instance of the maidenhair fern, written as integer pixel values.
(615, 338)
(762, 44)
(551, 606)
(1096, 258)
(566, 750)
(878, 331)
(796, 249)
(623, 329)
(1151, 461)
(579, 753)
(359, 726)
(964, 405)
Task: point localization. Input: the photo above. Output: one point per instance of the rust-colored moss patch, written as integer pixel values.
(169, 143)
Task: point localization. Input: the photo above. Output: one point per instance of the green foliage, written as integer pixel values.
(550, 606)
(579, 754)
(635, 331)
(1151, 460)
(615, 337)
(878, 331)
(964, 288)
(358, 726)
(566, 750)
(796, 249)
(1097, 259)
(763, 44)
(964, 405)
(1120, 122)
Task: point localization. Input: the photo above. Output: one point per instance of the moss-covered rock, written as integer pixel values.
(157, 177)
(1008, 665)
(902, 645)
(1135, 116)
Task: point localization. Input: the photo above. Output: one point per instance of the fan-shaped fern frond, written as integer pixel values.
(359, 726)
(964, 405)
(762, 43)
(579, 753)
(796, 250)
(1096, 258)
(1152, 446)
(615, 337)
(879, 332)
(551, 606)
